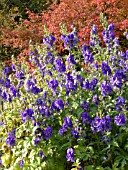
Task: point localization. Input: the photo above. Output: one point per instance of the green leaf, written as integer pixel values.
(6, 159)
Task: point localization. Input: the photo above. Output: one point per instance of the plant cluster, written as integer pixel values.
(59, 116)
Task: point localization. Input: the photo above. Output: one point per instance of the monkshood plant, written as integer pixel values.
(61, 116)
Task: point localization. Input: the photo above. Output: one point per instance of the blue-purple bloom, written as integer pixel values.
(120, 120)
(80, 79)
(30, 85)
(105, 69)
(69, 83)
(106, 124)
(11, 139)
(14, 91)
(88, 57)
(75, 133)
(60, 67)
(4, 95)
(70, 40)
(85, 105)
(66, 124)
(58, 105)
(28, 113)
(47, 133)
(105, 88)
(96, 125)
(21, 163)
(49, 41)
(95, 99)
(116, 82)
(90, 85)
(7, 83)
(70, 155)
(37, 140)
(86, 119)
(20, 75)
(70, 60)
(53, 83)
(6, 71)
(41, 154)
(120, 101)
(111, 27)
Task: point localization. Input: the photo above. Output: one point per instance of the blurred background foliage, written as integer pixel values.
(12, 13)
(23, 20)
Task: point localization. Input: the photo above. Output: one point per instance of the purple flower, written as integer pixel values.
(71, 60)
(75, 134)
(9, 98)
(14, 91)
(28, 113)
(105, 139)
(94, 29)
(86, 85)
(70, 40)
(49, 58)
(53, 84)
(88, 57)
(123, 55)
(36, 90)
(86, 119)
(120, 101)
(106, 124)
(44, 95)
(80, 79)
(62, 131)
(1, 123)
(60, 67)
(37, 140)
(95, 65)
(70, 155)
(21, 163)
(20, 84)
(49, 41)
(20, 75)
(120, 120)
(11, 141)
(67, 122)
(13, 67)
(7, 83)
(105, 88)
(105, 69)
(85, 105)
(4, 95)
(41, 154)
(58, 105)
(93, 84)
(31, 53)
(95, 99)
(6, 71)
(111, 27)
(120, 74)
(96, 125)
(116, 82)
(69, 83)
(47, 133)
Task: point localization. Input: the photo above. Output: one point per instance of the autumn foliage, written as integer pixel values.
(81, 13)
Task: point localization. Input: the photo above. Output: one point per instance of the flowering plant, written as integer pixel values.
(61, 116)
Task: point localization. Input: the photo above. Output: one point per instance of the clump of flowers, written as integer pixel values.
(61, 117)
